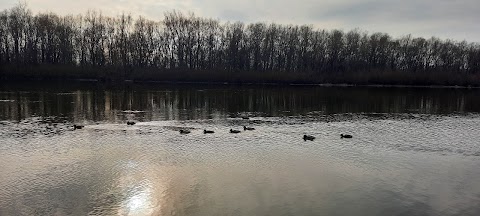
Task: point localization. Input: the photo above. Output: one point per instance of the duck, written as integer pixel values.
(182, 131)
(75, 127)
(208, 131)
(234, 131)
(308, 137)
(130, 123)
(248, 128)
(245, 118)
(345, 136)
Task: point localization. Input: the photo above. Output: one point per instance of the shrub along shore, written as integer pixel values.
(377, 78)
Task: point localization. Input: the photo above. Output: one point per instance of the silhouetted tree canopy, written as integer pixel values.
(183, 42)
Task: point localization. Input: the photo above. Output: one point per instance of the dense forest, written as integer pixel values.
(184, 47)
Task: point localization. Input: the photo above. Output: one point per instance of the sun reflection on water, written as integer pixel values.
(140, 203)
(137, 183)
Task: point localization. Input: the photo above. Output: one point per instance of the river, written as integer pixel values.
(414, 151)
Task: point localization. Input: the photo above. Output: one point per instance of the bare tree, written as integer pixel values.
(184, 42)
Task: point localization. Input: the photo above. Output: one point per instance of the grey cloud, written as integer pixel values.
(233, 15)
(443, 18)
(420, 17)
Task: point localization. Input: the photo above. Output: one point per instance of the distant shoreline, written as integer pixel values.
(372, 78)
(113, 75)
(171, 82)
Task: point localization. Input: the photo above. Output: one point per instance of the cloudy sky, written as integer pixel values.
(455, 19)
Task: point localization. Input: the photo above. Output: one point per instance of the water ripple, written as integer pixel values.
(407, 164)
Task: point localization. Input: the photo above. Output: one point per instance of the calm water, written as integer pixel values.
(414, 151)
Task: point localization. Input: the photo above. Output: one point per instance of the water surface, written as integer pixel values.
(415, 151)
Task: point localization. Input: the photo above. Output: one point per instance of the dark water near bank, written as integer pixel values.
(415, 151)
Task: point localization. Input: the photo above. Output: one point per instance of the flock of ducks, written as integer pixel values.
(245, 128)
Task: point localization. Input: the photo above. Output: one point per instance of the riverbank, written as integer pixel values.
(153, 76)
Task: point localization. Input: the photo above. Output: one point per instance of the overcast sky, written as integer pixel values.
(455, 19)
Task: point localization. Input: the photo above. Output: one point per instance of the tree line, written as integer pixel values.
(185, 42)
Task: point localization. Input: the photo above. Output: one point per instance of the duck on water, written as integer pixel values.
(184, 131)
(75, 127)
(345, 136)
(248, 128)
(308, 137)
(234, 131)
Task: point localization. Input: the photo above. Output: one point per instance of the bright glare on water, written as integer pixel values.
(413, 151)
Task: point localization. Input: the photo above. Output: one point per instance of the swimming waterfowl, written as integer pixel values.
(130, 123)
(245, 118)
(208, 131)
(234, 131)
(248, 128)
(308, 137)
(75, 127)
(182, 131)
(345, 136)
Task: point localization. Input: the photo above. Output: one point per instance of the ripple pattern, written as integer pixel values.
(400, 164)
